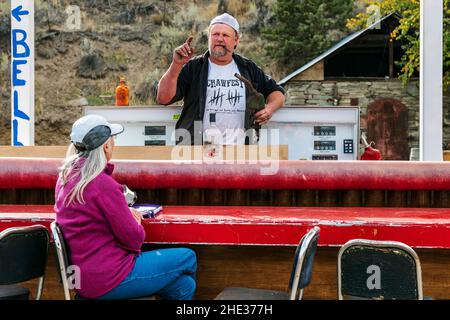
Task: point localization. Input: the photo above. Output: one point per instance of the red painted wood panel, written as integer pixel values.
(416, 227)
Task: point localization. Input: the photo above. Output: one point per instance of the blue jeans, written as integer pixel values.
(170, 273)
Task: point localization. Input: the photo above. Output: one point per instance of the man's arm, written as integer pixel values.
(274, 101)
(167, 87)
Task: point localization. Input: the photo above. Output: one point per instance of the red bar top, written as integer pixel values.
(417, 227)
(41, 173)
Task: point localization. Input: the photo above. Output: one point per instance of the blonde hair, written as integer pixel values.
(71, 169)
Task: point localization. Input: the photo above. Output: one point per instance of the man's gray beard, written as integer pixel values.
(219, 53)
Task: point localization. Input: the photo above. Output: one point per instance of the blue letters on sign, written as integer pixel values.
(16, 141)
(19, 57)
(21, 42)
(16, 71)
(17, 112)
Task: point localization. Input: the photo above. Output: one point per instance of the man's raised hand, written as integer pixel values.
(183, 53)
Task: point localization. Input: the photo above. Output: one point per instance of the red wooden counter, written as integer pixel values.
(274, 226)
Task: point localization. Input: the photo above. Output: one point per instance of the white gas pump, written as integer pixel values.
(316, 133)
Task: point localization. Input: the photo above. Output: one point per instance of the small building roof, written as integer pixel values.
(334, 48)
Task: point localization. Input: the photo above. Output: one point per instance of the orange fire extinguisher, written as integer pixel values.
(370, 153)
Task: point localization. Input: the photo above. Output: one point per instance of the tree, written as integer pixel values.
(407, 32)
(299, 30)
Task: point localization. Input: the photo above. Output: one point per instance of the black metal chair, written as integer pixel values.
(378, 270)
(300, 275)
(64, 266)
(23, 257)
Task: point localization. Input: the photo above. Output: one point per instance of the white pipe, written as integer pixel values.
(431, 25)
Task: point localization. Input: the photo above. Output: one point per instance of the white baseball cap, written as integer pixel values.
(226, 19)
(92, 131)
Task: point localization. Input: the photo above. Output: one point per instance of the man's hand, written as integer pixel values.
(274, 101)
(183, 53)
(263, 116)
(136, 215)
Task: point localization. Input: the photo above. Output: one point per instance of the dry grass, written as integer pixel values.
(238, 8)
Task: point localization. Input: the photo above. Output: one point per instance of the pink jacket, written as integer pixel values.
(102, 236)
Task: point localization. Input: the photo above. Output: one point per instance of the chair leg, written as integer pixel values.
(300, 294)
(66, 289)
(40, 288)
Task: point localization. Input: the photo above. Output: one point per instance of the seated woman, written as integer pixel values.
(103, 234)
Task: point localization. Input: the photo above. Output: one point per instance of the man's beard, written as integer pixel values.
(219, 51)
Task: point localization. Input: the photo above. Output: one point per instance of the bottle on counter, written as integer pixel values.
(122, 93)
(211, 138)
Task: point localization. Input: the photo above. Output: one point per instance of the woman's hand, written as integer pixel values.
(136, 215)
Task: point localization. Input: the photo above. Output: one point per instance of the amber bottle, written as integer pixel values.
(122, 93)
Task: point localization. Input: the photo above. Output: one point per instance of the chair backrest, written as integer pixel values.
(23, 255)
(63, 257)
(378, 270)
(303, 263)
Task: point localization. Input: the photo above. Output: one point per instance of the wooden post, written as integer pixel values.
(442, 199)
(31, 196)
(49, 196)
(351, 198)
(391, 59)
(328, 198)
(260, 197)
(169, 196)
(282, 198)
(214, 197)
(192, 197)
(397, 199)
(8, 196)
(305, 198)
(421, 199)
(237, 197)
(374, 198)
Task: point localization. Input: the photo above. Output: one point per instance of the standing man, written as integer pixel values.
(208, 85)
